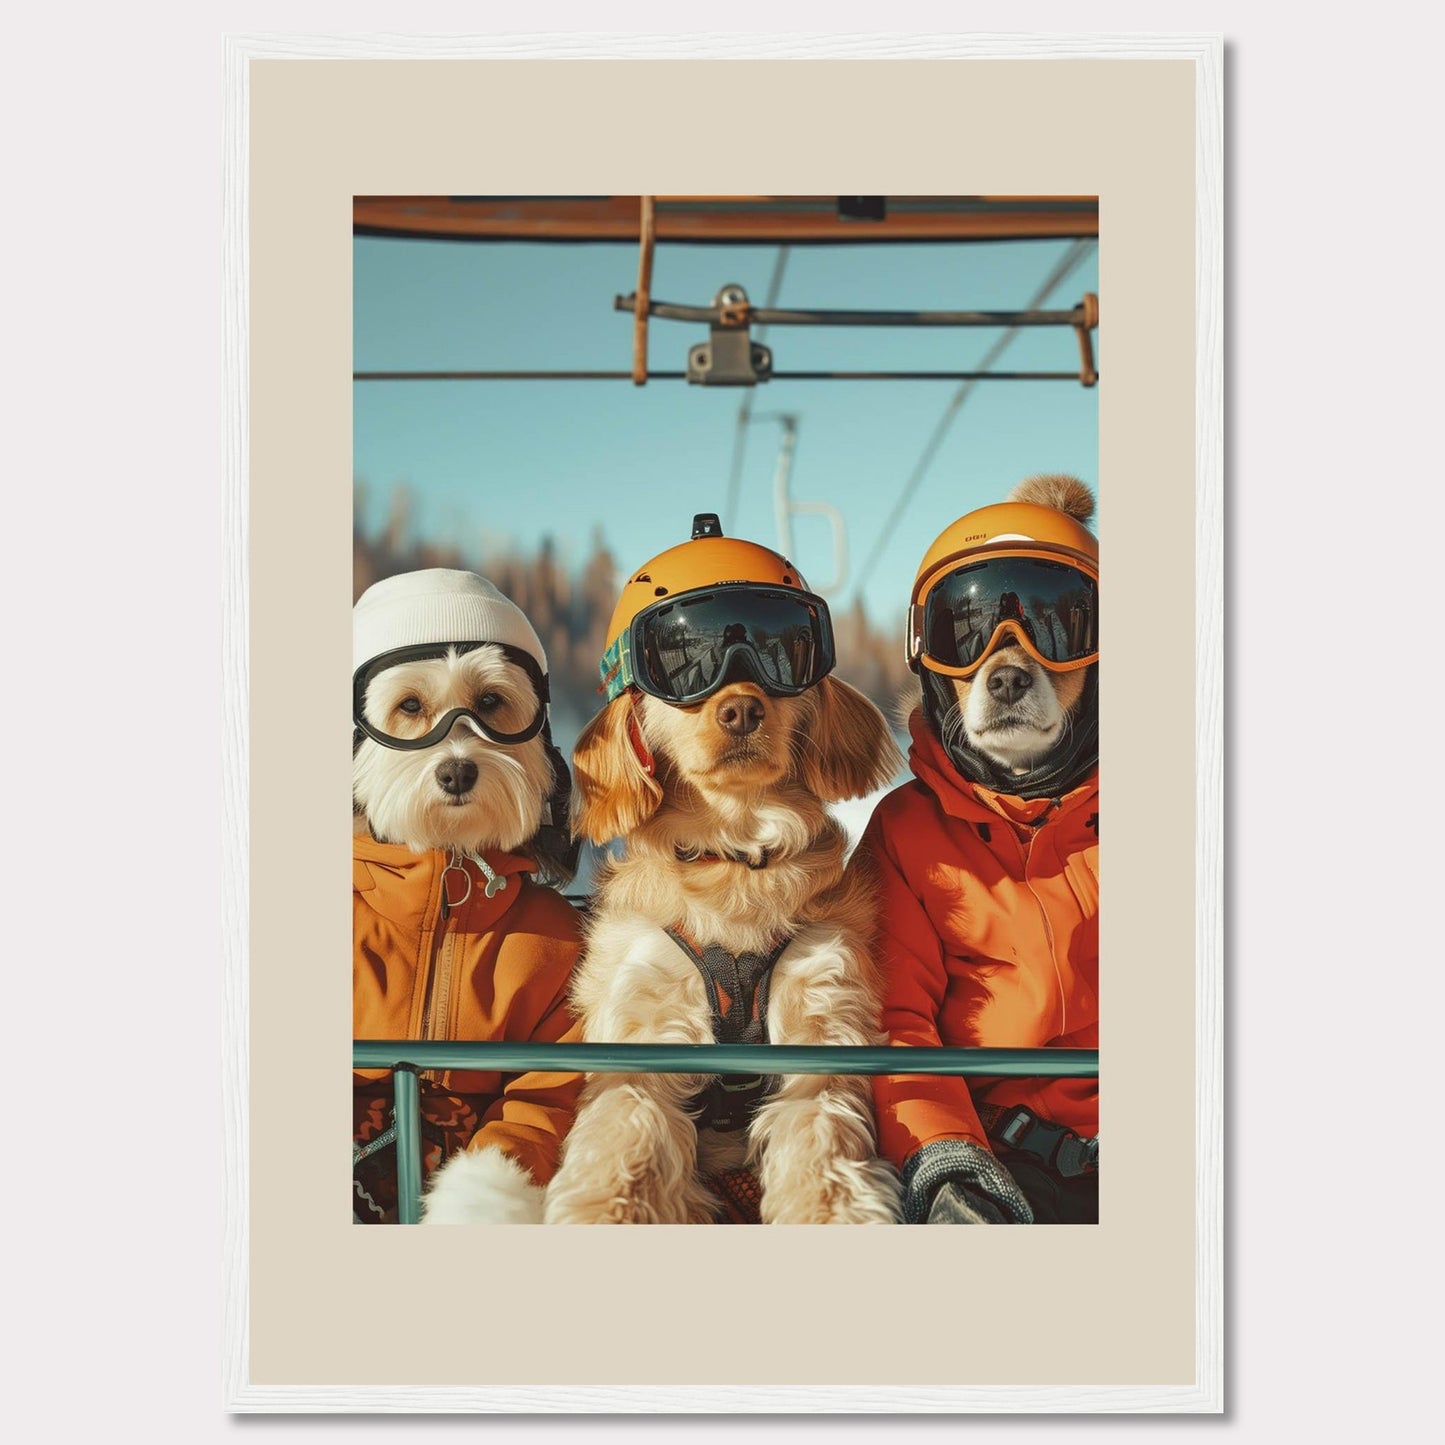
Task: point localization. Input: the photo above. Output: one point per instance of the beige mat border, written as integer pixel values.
(287, 1267)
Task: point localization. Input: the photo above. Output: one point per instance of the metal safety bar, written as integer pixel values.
(731, 356)
(406, 1056)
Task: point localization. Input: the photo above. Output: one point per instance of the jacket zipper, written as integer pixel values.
(1026, 853)
(437, 997)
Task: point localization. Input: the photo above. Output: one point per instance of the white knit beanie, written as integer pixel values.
(436, 606)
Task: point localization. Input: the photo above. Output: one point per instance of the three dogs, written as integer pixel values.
(729, 914)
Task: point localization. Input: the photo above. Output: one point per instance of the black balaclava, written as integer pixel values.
(1061, 771)
(556, 848)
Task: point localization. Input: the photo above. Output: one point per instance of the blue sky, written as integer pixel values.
(491, 463)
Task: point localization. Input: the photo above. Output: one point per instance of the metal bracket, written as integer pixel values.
(730, 357)
(1088, 320)
(647, 241)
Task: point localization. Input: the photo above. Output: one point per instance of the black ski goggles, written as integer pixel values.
(684, 648)
(1048, 607)
(503, 712)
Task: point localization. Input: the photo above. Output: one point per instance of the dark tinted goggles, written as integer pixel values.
(685, 648)
(504, 714)
(1050, 608)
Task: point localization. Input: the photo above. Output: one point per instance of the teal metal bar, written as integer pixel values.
(406, 1056)
(722, 1059)
(408, 1145)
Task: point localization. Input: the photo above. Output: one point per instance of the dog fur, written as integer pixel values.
(482, 1186)
(634, 1154)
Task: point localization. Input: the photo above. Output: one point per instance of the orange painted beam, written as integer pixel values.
(778, 220)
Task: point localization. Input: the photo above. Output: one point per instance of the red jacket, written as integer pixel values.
(988, 936)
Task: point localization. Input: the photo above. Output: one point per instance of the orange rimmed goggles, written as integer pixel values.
(1048, 606)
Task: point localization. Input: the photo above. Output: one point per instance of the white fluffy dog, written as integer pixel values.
(455, 781)
(466, 792)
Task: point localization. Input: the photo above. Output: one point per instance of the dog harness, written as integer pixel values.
(737, 994)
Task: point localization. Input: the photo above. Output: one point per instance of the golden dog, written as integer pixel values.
(727, 837)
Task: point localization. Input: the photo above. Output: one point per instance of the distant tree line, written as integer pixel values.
(571, 608)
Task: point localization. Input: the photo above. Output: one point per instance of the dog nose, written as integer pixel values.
(1008, 684)
(740, 714)
(456, 776)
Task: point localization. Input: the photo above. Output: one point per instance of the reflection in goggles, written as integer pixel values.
(687, 646)
(1053, 604)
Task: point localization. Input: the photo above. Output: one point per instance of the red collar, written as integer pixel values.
(684, 856)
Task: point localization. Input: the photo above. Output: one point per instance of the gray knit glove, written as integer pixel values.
(954, 1182)
(957, 1204)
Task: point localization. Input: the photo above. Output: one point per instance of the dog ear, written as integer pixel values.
(849, 751)
(614, 793)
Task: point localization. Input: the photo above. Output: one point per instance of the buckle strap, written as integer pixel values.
(728, 1104)
(1061, 1148)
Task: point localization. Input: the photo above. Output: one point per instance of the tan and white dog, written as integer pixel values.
(987, 864)
(1014, 710)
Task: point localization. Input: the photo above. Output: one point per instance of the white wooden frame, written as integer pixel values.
(1206, 1394)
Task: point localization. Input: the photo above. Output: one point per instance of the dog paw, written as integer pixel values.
(874, 1197)
(568, 1208)
(847, 1192)
(482, 1186)
(634, 1201)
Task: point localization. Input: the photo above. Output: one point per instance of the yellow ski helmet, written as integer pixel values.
(685, 618)
(1013, 570)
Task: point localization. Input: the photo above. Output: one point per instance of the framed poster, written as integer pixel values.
(1125, 1315)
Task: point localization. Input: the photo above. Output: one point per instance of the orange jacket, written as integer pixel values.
(988, 936)
(492, 968)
